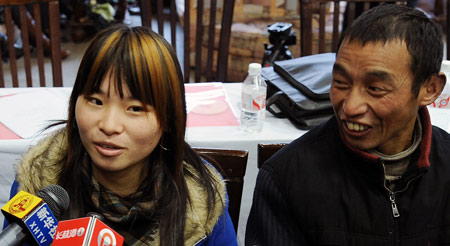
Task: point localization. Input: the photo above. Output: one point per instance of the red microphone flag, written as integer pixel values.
(87, 231)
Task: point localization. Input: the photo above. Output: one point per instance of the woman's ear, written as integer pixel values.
(431, 89)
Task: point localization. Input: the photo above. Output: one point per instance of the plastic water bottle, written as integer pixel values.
(253, 103)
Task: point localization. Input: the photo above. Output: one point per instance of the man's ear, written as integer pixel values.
(431, 89)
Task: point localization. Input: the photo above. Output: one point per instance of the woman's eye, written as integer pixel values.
(95, 101)
(137, 109)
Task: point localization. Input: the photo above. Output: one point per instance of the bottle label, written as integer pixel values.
(253, 103)
(259, 103)
(254, 100)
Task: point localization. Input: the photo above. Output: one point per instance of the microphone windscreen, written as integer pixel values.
(56, 198)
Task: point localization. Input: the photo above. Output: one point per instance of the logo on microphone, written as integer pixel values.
(21, 204)
(106, 238)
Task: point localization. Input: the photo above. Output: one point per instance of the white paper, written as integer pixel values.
(28, 112)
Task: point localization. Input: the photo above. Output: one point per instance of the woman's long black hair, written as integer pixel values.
(145, 62)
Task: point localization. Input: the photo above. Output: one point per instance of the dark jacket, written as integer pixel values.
(320, 191)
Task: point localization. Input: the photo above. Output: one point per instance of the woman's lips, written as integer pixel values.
(108, 150)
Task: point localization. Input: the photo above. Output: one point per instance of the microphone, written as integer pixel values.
(34, 216)
(86, 231)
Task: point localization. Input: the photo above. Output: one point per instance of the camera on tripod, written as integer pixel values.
(280, 37)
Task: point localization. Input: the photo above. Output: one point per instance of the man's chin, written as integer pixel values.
(358, 141)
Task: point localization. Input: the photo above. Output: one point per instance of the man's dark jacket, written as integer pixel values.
(318, 190)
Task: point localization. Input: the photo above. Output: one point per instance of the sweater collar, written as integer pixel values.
(425, 144)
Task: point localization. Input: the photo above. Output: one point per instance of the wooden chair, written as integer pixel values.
(30, 59)
(319, 9)
(208, 66)
(232, 165)
(265, 151)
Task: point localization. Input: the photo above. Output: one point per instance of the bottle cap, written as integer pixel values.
(254, 68)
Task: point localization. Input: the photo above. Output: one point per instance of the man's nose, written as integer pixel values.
(355, 103)
(111, 122)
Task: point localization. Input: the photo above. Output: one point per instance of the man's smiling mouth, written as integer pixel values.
(356, 126)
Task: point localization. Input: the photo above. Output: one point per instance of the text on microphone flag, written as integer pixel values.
(42, 225)
(72, 232)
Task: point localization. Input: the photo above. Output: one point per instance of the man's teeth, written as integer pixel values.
(356, 126)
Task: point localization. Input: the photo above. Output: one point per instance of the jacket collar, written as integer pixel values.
(425, 144)
(43, 163)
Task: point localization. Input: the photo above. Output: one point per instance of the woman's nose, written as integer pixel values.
(111, 122)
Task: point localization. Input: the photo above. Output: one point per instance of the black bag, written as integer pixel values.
(299, 89)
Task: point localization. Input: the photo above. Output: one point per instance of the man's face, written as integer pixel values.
(372, 95)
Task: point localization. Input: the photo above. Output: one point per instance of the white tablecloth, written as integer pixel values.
(52, 105)
(275, 130)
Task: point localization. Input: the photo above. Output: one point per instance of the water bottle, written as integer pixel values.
(253, 103)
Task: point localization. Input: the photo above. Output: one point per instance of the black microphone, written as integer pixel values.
(34, 217)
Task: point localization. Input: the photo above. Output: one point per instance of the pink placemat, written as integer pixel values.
(6, 133)
(207, 105)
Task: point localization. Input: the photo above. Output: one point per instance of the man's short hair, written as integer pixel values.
(389, 22)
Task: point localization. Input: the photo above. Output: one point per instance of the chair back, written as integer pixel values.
(199, 29)
(265, 151)
(232, 165)
(315, 15)
(33, 63)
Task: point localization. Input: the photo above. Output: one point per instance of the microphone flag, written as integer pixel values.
(30, 211)
(87, 231)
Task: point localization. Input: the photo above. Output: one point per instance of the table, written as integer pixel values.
(54, 101)
(53, 105)
(275, 130)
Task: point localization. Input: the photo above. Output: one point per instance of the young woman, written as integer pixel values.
(122, 151)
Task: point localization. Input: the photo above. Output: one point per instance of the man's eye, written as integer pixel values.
(340, 83)
(373, 88)
(376, 90)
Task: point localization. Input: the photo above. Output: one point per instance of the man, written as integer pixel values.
(377, 173)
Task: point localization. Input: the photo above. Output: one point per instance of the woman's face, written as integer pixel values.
(118, 133)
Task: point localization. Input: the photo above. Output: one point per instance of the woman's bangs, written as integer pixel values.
(162, 75)
(135, 70)
(104, 63)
